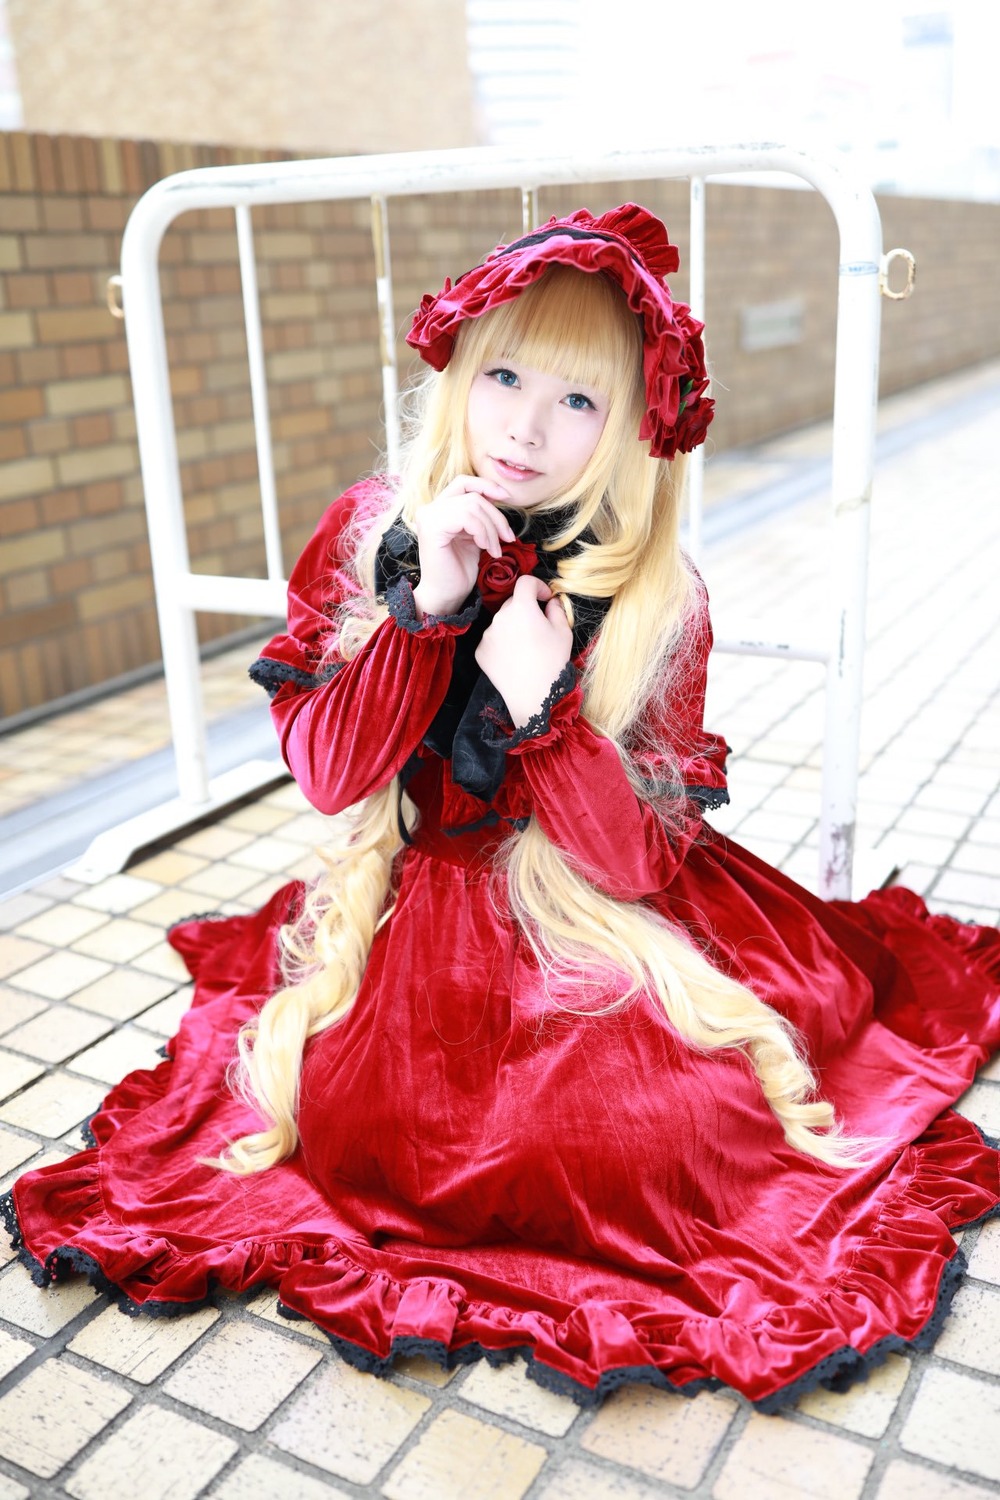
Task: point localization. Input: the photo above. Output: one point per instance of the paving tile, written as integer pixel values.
(118, 1054)
(119, 940)
(866, 1408)
(973, 889)
(269, 855)
(15, 1072)
(419, 1367)
(16, 1007)
(168, 908)
(260, 1478)
(984, 1261)
(53, 1105)
(18, 953)
(508, 1392)
(215, 842)
(242, 1374)
(348, 1423)
(265, 1305)
(971, 1334)
(169, 867)
(54, 1412)
(124, 993)
(165, 1018)
(258, 818)
(12, 1352)
(579, 1480)
(116, 895)
(62, 924)
(141, 1348)
(222, 881)
(460, 1458)
(666, 1436)
(905, 1481)
(774, 1459)
(11, 1490)
(42, 1310)
(155, 1454)
(955, 1420)
(59, 1032)
(262, 892)
(981, 1103)
(14, 1149)
(60, 975)
(17, 909)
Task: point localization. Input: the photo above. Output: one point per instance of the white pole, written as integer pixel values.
(258, 393)
(154, 415)
(386, 329)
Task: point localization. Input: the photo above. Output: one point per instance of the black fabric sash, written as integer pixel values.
(472, 705)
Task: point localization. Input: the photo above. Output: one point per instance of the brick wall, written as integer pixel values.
(76, 600)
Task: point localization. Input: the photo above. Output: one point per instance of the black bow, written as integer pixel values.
(472, 706)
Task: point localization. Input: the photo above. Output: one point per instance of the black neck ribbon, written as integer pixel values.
(464, 727)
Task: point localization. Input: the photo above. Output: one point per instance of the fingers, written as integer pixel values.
(465, 508)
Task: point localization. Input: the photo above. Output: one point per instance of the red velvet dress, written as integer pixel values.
(482, 1173)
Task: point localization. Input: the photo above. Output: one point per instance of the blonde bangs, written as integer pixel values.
(542, 329)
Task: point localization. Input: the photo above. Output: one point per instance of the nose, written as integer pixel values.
(525, 425)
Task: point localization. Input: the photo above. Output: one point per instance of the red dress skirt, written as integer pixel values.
(481, 1172)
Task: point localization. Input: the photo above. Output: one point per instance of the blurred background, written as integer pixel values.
(100, 98)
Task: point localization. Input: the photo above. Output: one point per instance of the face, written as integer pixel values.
(530, 432)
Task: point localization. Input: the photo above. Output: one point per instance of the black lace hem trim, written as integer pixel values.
(490, 820)
(708, 798)
(401, 605)
(271, 675)
(539, 723)
(837, 1372)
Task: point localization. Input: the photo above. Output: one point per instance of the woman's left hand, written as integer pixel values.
(526, 647)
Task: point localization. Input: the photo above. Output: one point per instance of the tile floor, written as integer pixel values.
(235, 1403)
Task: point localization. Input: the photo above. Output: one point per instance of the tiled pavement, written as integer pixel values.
(235, 1403)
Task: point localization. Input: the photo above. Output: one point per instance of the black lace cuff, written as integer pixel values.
(539, 723)
(271, 675)
(402, 607)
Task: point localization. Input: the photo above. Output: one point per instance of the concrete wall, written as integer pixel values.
(308, 75)
(76, 600)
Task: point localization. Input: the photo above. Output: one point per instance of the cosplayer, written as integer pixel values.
(545, 1065)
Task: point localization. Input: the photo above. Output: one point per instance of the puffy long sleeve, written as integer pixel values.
(586, 804)
(346, 728)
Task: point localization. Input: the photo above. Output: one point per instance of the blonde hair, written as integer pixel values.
(575, 325)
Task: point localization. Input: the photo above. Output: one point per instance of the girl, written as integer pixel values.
(548, 1066)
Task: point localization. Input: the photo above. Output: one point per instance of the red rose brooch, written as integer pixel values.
(498, 575)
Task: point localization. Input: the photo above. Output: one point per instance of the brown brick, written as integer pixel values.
(62, 215)
(107, 214)
(16, 330)
(112, 178)
(32, 624)
(67, 163)
(12, 444)
(22, 163)
(10, 254)
(72, 325)
(92, 429)
(17, 516)
(46, 170)
(81, 359)
(70, 288)
(49, 436)
(59, 506)
(21, 405)
(69, 251)
(29, 476)
(28, 290)
(88, 166)
(96, 463)
(102, 499)
(25, 590)
(37, 366)
(70, 577)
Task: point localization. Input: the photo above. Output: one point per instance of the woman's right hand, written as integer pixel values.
(452, 533)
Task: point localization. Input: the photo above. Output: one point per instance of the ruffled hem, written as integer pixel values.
(893, 1296)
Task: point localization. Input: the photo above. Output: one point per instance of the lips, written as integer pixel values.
(518, 473)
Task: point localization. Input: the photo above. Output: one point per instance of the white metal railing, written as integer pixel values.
(180, 592)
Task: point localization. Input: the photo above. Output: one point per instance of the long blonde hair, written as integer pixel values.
(575, 325)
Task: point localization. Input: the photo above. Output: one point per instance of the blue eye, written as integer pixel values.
(503, 376)
(577, 401)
